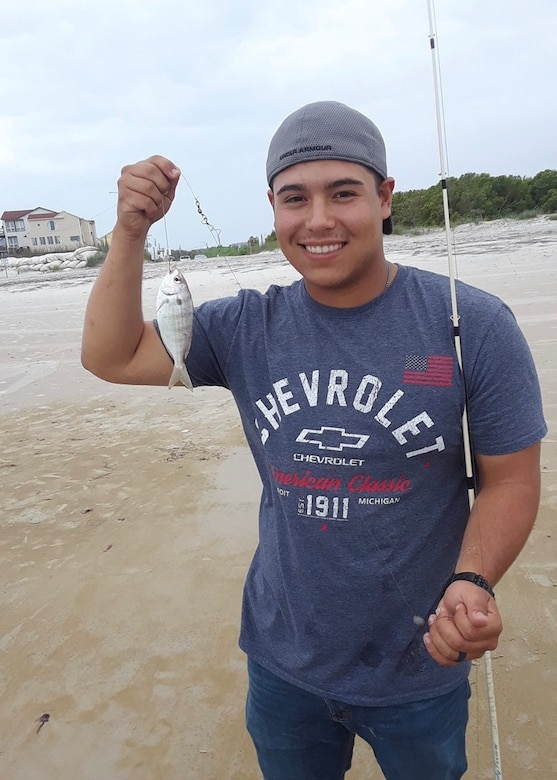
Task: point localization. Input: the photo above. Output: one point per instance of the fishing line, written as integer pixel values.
(168, 254)
(110, 208)
(466, 434)
(212, 229)
(215, 232)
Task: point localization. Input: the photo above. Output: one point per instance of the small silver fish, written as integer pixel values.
(175, 320)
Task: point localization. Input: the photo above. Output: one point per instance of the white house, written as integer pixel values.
(43, 229)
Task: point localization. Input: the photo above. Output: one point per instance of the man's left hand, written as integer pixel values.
(467, 621)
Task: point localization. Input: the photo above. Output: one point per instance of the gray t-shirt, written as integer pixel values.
(354, 418)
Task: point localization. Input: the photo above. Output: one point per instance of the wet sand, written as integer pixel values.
(128, 520)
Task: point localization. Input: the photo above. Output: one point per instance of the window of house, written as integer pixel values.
(50, 225)
(74, 238)
(56, 239)
(15, 225)
(50, 239)
(42, 240)
(34, 241)
(12, 242)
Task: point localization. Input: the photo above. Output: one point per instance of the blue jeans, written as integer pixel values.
(301, 736)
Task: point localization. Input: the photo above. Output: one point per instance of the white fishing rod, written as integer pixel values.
(468, 458)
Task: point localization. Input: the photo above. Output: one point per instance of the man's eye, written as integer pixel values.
(293, 199)
(344, 194)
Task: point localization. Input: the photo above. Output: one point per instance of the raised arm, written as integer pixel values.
(502, 517)
(117, 344)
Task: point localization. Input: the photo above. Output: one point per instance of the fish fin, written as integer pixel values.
(180, 374)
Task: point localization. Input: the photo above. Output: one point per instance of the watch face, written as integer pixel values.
(471, 576)
(477, 579)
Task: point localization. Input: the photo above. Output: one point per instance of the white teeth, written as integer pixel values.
(322, 250)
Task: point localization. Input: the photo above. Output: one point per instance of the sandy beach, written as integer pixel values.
(129, 517)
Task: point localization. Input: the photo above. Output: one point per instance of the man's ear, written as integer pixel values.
(386, 188)
(386, 194)
(271, 198)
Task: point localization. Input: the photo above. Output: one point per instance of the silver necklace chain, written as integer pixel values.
(388, 279)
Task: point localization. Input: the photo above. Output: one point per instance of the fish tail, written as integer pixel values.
(180, 374)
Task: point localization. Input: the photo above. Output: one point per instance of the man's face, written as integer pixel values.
(329, 224)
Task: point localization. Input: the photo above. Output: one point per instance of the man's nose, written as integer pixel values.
(320, 215)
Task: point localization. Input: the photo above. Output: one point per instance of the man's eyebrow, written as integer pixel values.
(347, 182)
(291, 188)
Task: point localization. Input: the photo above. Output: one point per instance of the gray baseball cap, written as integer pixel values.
(328, 130)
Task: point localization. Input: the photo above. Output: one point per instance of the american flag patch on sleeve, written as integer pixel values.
(430, 370)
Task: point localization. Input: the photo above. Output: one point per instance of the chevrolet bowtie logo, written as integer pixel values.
(332, 439)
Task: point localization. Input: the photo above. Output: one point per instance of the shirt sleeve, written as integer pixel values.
(215, 324)
(504, 396)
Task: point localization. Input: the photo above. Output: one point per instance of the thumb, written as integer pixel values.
(475, 609)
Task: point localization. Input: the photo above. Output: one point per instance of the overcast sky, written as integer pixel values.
(87, 87)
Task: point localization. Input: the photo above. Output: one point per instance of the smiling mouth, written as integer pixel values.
(322, 250)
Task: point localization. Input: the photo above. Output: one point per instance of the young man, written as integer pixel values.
(371, 588)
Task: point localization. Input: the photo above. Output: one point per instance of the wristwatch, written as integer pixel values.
(470, 576)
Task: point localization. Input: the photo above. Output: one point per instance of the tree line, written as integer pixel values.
(476, 197)
(473, 197)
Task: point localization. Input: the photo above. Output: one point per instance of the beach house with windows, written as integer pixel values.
(41, 229)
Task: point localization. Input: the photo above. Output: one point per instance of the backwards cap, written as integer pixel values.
(328, 131)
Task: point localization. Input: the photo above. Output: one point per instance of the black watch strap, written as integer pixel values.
(470, 576)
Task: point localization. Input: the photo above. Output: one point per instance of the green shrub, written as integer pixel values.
(97, 259)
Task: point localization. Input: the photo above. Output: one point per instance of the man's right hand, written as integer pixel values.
(146, 190)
